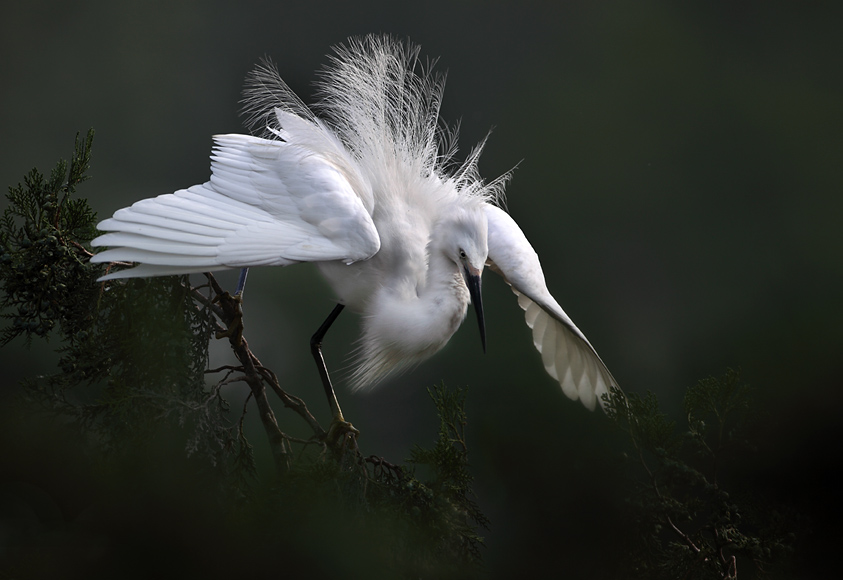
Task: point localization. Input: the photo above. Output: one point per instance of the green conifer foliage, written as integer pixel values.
(134, 379)
(692, 520)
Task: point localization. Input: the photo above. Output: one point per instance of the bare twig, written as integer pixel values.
(208, 303)
(382, 466)
(290, 401)
(228, 310)
(81, 248)
(230, 314)
(219, 369)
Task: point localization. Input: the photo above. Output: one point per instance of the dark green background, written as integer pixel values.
(679, 173)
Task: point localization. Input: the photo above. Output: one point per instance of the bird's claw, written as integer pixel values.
(341, 435)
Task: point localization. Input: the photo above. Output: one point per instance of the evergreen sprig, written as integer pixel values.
(43, 257)
(690, 523)
(451, 481)
(132, 356)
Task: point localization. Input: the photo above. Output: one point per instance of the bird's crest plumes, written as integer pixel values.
(264, 91)
(382, 103)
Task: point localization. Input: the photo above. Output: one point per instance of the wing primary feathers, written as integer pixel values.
(566, 353)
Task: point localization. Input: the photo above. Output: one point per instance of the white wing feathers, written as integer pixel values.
(268, 203)
(566, 353)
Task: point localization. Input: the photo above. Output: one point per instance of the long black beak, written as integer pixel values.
(473, 281)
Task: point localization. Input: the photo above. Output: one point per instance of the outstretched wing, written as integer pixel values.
(268, 203)
(567, 355)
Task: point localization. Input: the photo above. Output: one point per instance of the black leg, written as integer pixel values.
(241, 283)
(316, 350)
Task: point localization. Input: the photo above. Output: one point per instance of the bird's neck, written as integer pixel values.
(443, 301)
(444, 280)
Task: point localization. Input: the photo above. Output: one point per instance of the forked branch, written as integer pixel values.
(227, 309)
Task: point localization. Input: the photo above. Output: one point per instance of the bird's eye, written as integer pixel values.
(462, 255)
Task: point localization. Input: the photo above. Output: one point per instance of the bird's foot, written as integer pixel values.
(341, 435)
(232, 307)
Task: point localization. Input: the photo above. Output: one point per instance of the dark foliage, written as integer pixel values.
(133, 384)
(693, 520)
(46, 278)
(134, 405)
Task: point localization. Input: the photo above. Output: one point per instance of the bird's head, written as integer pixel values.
(465, 241)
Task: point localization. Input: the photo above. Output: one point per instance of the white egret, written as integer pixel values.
(369, 192)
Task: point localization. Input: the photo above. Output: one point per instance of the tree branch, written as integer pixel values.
(228, 309)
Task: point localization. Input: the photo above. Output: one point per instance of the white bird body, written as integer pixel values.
(364, 192)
